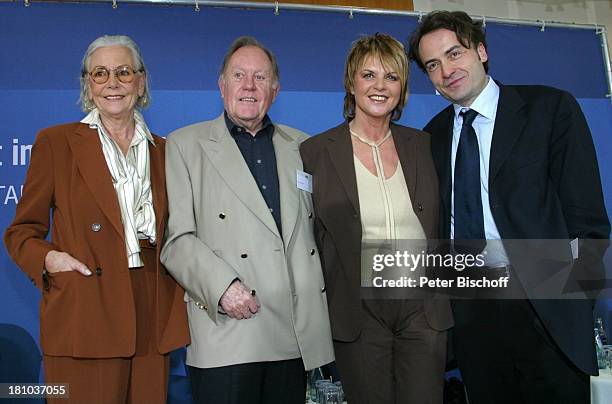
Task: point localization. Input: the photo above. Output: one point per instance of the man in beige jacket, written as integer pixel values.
(240, 242)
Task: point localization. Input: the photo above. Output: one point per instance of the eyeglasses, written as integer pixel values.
(124, 74)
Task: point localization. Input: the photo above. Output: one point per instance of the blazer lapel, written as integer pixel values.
(407, 153)
(441, 141)
(340, 149)
(158, 186)
(225, 155)
(91, 163)
(288, 162)
(509, 124)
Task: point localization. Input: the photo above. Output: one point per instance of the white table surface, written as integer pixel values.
(601, 388)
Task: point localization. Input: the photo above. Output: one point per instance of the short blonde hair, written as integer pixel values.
(391, 54)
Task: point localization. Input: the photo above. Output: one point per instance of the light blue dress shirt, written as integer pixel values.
(486, 106)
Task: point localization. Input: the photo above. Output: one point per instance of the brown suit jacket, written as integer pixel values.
(329, 158)
(93, 316)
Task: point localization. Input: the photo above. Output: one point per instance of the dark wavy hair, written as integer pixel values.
(469, 32)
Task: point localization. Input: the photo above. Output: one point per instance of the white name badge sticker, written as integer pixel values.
(304, 181)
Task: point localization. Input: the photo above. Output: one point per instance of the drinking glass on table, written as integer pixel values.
(322, 387)
(330, 394)
(608, 358)
(314, 376)
(338, 383)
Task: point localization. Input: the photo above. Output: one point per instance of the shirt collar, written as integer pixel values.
(94, 121)
(267, 128)
(486, 102)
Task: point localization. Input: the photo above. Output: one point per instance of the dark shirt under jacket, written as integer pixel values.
(258, 153)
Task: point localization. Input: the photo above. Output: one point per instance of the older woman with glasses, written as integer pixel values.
(109, 313)
(375, 180)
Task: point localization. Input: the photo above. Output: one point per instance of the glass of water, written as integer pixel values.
(330, 394)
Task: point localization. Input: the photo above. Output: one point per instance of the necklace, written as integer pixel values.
(375, 150)
(385, 192)
(368, 141)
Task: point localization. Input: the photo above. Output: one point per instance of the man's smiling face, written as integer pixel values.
(248, 87)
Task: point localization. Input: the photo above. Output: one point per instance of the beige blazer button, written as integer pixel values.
(312, 251)
(96, 227)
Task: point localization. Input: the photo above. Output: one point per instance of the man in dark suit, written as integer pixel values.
(514, 162)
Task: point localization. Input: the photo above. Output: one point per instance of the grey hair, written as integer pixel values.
(243, 41)
(103, 42)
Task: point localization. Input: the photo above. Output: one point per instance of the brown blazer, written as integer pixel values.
(93, 316)
(329, 158)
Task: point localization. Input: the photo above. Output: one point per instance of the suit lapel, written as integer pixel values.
(441, 141)
(158, 186)
(91, 163)
(509, 124)
(288, 161)
(225, 155)
(340, 151)
(407, 153)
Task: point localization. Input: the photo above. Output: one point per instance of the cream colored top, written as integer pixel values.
(385, 205)
(386, 209)
(132, 182)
